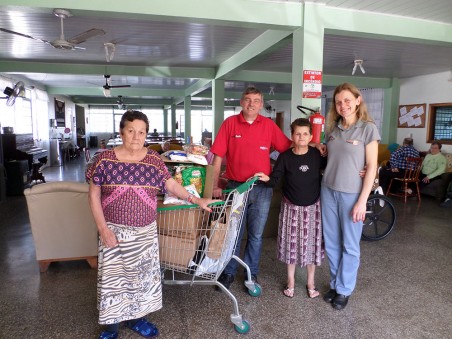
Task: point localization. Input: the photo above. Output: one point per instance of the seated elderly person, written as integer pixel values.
(433, 165)
(397, 163)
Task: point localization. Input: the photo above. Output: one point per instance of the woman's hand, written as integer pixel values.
(204, 202)
(359, 211)
(262, 176)
(321, 147)
(108, 238)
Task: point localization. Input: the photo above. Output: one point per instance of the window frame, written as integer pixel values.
(432, 122)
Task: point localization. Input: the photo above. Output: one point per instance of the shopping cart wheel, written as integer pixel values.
(244, 328)
(256, 291)
(380, 218)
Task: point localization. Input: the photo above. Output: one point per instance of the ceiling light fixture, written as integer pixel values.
(358, 62)
(107, 92)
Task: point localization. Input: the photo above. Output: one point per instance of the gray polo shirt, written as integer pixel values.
(347, 155)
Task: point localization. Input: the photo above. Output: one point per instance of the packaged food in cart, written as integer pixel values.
(195, 246)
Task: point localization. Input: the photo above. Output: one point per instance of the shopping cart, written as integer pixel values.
(195, 246)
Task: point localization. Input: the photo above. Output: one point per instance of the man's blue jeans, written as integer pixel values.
(254, 219)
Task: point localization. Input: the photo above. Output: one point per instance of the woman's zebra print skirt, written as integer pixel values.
(129, 281)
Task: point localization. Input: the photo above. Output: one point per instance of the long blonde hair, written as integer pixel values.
(333, 116)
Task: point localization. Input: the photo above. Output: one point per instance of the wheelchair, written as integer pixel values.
(380, 216)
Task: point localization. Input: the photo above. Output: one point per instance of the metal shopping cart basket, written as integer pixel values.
(195, 245)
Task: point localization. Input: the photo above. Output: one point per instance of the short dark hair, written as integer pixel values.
(252, 90)
(131, 115)
(408, 141)
(300, 122)
(437, 143)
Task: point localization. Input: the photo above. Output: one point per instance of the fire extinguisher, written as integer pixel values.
(317, 123)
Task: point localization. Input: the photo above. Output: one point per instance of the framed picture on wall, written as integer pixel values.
(60, 113)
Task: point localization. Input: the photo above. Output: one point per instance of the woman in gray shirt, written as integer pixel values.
(352, 143)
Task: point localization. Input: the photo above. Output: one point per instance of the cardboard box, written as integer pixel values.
(176, 252)
(185, 223)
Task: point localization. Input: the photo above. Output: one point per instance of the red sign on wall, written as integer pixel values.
(312, 84)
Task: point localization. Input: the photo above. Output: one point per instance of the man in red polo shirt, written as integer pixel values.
(245, 140)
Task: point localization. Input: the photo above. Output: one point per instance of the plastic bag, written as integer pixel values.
(171, 199)
(196, 149)
(195, 176)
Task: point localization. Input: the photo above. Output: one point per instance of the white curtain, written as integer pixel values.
(41, 122)
(374, 98)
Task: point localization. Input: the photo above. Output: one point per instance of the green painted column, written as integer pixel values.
(173, 120)
(217, 105)
(187, 109)
(165, 121)
(390, 112)
(307, 55)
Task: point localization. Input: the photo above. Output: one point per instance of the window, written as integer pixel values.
(101, 119)
(201, 120)
(18, 116)
(440, 123)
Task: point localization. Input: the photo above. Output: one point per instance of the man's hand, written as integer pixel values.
(262, 176)
(394, 169)
(426, 180)
(217, 192)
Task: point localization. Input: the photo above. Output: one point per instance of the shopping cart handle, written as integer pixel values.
(247, 185)
(243, 187)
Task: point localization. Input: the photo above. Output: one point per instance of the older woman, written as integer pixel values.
(352, 142)
(124, 183)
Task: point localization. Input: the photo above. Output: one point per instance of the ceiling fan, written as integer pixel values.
(120, 102)
(358, 63)
(13, 93)
(107, 86)
(61, 42)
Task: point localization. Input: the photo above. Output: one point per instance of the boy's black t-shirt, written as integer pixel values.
(301, 175)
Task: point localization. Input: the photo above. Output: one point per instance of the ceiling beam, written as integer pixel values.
(389, 27)
(264, 43)
(90, 69)
(199, 86)
(126, 92)
(238, 13)
(262, 76)
(113, 101)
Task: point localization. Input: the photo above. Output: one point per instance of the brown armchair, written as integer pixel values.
(62, 223)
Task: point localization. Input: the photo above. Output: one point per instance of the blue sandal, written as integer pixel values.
(108, 335)
(143, 328)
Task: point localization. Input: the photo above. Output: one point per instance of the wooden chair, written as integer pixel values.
(176, 147)
(155, 147)
(411, 176)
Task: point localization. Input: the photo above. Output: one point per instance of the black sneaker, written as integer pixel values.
(226, 280)
(330, 295)
(340, 301)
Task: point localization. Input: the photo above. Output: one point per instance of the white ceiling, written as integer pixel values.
(164, 58)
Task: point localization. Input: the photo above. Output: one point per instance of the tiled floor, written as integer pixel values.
(403, 290)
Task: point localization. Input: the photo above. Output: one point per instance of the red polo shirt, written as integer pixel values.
(247, 146)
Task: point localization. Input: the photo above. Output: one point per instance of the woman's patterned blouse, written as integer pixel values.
(128, 190)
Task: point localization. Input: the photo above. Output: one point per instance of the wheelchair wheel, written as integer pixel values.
(380, 218)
